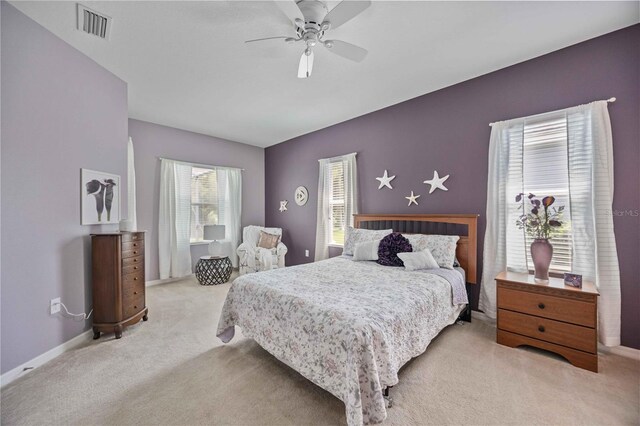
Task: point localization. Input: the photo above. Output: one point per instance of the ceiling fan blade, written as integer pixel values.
(306, 65)
(346, 50)
(290, 9)
(267, 38)
(346, 11)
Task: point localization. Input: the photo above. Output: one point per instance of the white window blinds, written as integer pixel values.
(205, 205)
(335, 174)
(545, 171)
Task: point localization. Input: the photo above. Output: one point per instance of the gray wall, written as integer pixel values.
(448, 131)
(60, 112)
(151, 141)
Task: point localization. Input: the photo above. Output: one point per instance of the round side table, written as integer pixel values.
(213, 270)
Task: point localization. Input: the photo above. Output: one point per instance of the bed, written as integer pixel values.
(350, 326)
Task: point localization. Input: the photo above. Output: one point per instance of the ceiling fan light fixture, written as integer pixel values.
(328, 44)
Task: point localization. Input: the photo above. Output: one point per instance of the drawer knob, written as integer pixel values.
(135, 292)
(541, 328)
(135, 267)
(135, 260)
(135, 278)
(135, 252)
(135, 307)
(541, 305)
(135, 245)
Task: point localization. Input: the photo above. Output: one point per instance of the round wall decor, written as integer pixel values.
(301, 196)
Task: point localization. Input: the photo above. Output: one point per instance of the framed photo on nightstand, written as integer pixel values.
(573, 280)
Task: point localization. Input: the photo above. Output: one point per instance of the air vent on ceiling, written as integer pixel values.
(92, 22)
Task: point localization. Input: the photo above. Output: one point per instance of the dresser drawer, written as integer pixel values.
(130, 261)
(560, 333)
(132, 245)
(132, 291)
(542, 305)
(132, 252)
(132, 305)
(133, 278)
(132, 236)
(131, 269)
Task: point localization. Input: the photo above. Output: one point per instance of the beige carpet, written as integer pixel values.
(172, 370)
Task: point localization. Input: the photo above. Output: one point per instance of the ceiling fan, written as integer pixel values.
(311, 20)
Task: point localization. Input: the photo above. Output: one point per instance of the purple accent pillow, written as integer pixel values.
(389, 248)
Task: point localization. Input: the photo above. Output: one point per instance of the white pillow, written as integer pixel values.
(366, 251)
(418, 260)
(442, 247)
(354, 236)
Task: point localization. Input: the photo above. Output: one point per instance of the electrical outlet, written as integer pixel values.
(54, 305)
(306, 253)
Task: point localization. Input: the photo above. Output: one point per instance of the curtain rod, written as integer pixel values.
(610, 100)
(205, 166)
(338, 156)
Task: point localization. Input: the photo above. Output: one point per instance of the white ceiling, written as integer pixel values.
(187, 66)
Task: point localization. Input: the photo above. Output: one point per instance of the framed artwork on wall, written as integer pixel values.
(100, 194)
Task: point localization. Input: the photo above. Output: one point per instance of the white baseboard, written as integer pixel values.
(165, 281)
(624, 351)
(36, 362)
(482, 317)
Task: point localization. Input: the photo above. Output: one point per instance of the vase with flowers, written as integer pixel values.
(540, 221)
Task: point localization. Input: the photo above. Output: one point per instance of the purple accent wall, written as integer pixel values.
(60, 112)
(151, 141)
(448, 131)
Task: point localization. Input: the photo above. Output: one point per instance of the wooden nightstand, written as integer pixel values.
(550, 316)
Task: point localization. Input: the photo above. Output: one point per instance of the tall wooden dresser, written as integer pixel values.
(118, 281)
(550, 316)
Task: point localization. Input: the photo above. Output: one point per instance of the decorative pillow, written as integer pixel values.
(389, 248)
(268, 241)
(442, 247)
(366, 251)
(354, 236)
(418, 260)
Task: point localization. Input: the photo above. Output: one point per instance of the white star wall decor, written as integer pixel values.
(412, 199)
(385, 180)
(283, 206)
(437, 182)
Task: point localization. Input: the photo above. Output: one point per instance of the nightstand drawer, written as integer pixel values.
(573, 336)
(542, 305)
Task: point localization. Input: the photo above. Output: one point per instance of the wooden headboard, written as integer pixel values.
(467, 249)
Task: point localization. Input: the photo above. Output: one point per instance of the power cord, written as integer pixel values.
(83, 315)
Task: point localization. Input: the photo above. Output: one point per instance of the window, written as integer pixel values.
(205, 203)
(337, 202)
(543, 170)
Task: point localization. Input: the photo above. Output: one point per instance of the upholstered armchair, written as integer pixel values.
(253, 258)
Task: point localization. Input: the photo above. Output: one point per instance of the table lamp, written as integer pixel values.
(214, 233)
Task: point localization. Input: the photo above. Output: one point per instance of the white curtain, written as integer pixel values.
(590, 156)
(232, 208)
(323, 219)
(504, 182)
(174, 220)
(590, 167)
(132, 217)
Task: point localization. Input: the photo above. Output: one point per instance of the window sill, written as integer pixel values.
(199, 243)
(341, 246)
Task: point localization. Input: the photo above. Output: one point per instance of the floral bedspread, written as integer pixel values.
(346, 326)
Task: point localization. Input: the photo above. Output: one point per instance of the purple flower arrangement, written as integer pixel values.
(389, 248)
(539, 220)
